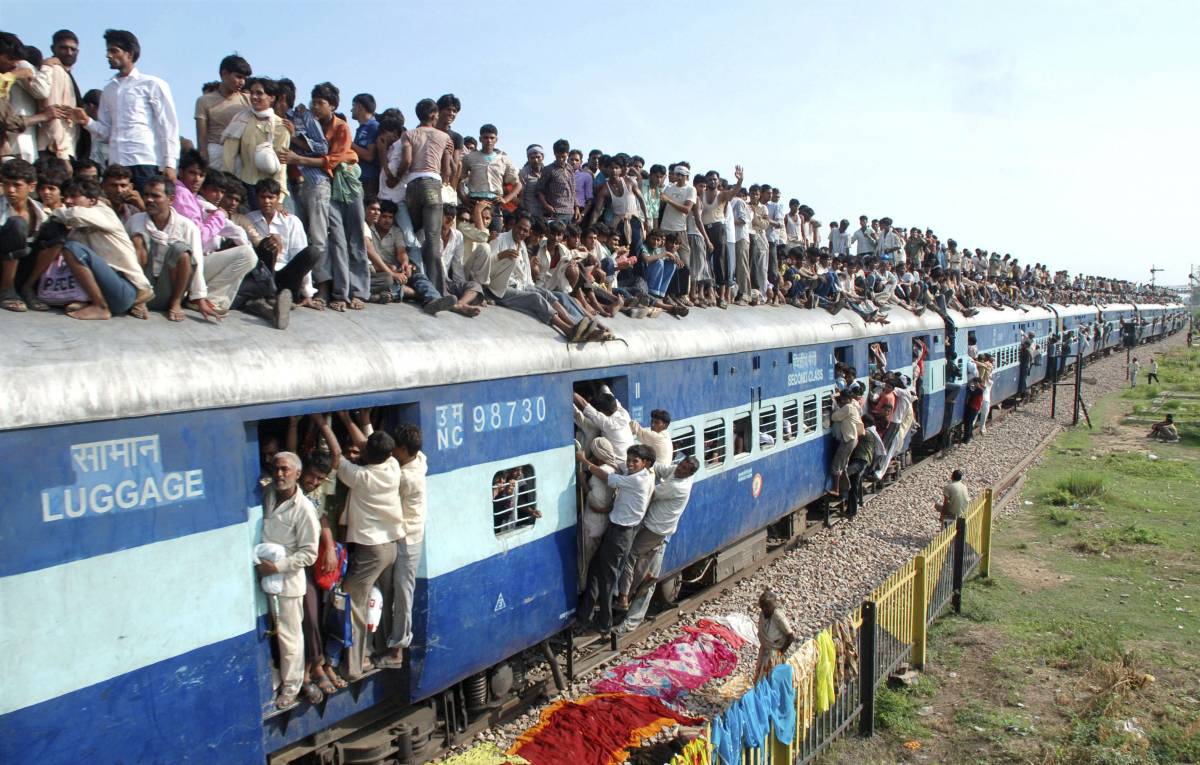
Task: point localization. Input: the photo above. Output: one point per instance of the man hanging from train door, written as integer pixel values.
(667, 504)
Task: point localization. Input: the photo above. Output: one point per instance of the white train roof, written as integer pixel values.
(59, 370)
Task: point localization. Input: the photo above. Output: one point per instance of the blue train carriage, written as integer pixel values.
(1152, 321)
(1112, 316)
(1076, 322)
(998, 332)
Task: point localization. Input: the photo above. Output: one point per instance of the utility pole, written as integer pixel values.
(1154, 271)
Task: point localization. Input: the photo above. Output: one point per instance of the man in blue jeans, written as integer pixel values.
(425, 161)
(95, 246)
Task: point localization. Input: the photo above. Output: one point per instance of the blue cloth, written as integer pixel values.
(756, 708)
(783, 703)
(365, 136)
(727, 734)
(308, 128)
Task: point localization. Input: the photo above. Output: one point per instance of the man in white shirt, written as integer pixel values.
(657, 437)
(413, 467)
(374, 523)
(889, 245)
(634, 486)
(169, 248)
(289, 520)
(606, 414)
(667, 504)
(58, 137)
(863, 239)
(743, 216)
(510, 282)
(285, 261)
(137, 114)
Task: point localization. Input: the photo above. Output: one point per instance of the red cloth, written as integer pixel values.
(734, 640)
(595, 730)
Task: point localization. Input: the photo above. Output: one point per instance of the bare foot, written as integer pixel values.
(338, 305)
(465, 310)
(357, 304)
(174, 313)
(92, 313)
(140, 311)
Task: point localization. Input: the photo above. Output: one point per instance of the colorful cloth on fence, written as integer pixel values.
(697, 752)
(734, 640)
(845, 639)
(826, 661)
(727, 733)
(672, 670)
(804, 673)
(595, 730)
(484, 754)
(735, 687)
(783, 703)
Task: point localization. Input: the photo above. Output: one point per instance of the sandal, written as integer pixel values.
(326, 685)
(174, 314)
(338, 305)
(356, 304)
(338, 681)
(31, 299)
(285, 701)
(318, 304)
(11, 301)
(140, 311)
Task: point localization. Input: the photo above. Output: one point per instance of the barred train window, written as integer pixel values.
(827, 411)
(683, 441)
(810, 414)
(743, 435)
(514, 499)
(767, 436)
(791, 420)
(714, 443)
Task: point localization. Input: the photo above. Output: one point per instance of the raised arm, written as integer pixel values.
(729, 194)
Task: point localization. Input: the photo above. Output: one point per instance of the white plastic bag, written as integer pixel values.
(374, 609)
(272, 584)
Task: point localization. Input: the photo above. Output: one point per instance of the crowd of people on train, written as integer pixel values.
(344, 509)
(276, 204)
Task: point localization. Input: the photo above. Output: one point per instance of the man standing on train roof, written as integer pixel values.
(289, 520)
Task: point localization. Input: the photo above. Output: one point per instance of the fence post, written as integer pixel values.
(960, 560)
(866, 669)
(919, 612)
(985, 554)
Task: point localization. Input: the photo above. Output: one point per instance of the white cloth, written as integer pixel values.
(272, 584)
(633, 496)
(393, 193)
(668, 501)
(741, 625)
(24, 95)
(293, 525)
(505, 274)
(138, 122)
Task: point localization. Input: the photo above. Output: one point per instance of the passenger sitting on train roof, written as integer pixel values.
(468, 292)
(510, 284)
(666, 507)
(605, 413)
(657, 437)
(374, 523)
(169, 249)
(289, 520)
(285, 261)
(405, 277)
(20, 218)
(97, 250)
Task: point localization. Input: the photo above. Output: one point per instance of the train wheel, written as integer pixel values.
(667, 591)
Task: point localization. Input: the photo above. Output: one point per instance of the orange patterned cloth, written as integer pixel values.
(595, 730)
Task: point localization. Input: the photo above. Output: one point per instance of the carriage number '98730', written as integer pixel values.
(496, 415)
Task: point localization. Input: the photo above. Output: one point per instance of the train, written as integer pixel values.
(134, 624)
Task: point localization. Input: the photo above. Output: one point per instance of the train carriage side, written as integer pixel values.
(1113, 316)
(1075, 320)
(998, 332)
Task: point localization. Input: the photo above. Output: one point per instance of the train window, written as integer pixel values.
(791, 420)
(743, 435)
(514, 499)
(827, 411)
(714, 443)
(767, 417)
(683, 441)
(810, 414)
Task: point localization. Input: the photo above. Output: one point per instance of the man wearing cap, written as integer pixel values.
(678, 199)
(530, 175)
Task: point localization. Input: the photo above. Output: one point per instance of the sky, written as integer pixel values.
(1061, 132)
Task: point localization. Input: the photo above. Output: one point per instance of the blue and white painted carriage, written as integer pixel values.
(134, 627)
